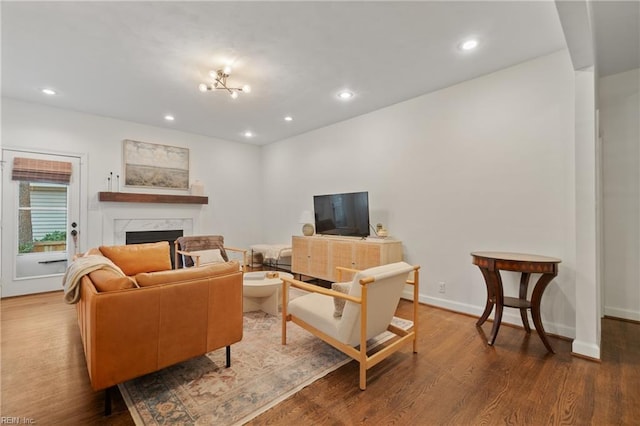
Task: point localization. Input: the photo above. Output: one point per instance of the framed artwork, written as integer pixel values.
(155, 166)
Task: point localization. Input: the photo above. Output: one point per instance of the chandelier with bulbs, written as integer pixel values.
(220, 83)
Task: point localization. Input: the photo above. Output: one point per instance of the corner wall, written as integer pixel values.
(487, 164)
(620, 131)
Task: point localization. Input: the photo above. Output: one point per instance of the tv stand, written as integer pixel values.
(318, 256)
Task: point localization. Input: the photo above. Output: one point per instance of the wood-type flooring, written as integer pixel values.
(455, 379)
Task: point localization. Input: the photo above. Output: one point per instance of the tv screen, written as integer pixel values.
(342, 214)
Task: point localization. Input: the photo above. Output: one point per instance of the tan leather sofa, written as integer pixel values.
(174, 315)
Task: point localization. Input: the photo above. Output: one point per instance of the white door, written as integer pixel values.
(40, 222)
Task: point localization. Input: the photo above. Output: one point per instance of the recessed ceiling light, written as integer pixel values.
(469, 44)
(345, 94)
(288, 118)
(49, 92)
(248, 134)
(169, 117)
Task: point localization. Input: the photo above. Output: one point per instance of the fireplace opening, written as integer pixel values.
(139, 237)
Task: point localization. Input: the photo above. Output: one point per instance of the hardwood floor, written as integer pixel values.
(454, 379)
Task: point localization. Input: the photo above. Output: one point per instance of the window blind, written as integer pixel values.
(33, 170)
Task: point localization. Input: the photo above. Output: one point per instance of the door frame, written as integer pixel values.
(82, 204)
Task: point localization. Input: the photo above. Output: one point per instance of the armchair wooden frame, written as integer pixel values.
(196, 257)
(366, 362)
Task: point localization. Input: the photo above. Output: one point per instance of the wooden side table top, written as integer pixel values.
(517, 257)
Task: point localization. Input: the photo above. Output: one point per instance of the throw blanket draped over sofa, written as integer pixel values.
(81, 267)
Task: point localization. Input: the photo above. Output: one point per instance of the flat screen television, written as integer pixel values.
(342, 214)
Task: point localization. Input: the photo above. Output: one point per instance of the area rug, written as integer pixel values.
(263, 373)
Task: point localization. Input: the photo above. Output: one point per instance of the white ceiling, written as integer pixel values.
(139, 61)
(617, 35)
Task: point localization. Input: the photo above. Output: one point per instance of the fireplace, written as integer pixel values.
(139, 237)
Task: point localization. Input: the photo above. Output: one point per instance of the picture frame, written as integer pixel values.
(151, 165)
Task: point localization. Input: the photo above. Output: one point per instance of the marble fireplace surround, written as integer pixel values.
(114, 229)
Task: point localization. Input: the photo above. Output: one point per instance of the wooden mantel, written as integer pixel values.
(131, 197)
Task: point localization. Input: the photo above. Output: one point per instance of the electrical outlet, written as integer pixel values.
(441, 287)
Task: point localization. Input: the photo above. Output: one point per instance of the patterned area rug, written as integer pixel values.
(263, 373)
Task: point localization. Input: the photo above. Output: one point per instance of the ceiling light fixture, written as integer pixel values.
(50, 92)
(169, 117)
(220, 83)
(248, 134)
(288, 118)
(345, 94)
(469, 44)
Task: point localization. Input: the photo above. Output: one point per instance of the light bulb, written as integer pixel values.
(345, 94)
(469, 44)
(226, 69)
(246, 88)
(213, 74)
(202, 87)
(234, 94)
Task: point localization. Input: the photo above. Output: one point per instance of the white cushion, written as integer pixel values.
(208, 256)
(383, 296)
(317, 310)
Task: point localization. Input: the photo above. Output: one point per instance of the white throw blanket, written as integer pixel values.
(81, 267)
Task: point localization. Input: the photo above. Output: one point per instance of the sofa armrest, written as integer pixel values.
(114, 321)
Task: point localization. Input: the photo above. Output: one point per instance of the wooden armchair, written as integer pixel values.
(370, 306)
(200, 250)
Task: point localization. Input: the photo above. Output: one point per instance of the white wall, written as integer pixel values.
(230, 171)
(620, 130)
(487, 164)
(587, 297)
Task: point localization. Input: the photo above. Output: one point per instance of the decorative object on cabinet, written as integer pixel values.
(307, 219)
(155, 166)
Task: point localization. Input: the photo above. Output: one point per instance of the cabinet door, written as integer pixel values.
(342, 255)
(300, 255)
(318, 258)
(367, 255)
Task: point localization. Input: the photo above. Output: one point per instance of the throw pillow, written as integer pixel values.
(107, 280)
(339, 303)
(136, 258)
(208, 256)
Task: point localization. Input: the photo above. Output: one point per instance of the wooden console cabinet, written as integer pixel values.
(318, 256)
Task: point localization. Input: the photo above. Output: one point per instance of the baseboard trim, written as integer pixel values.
(509, 316)
(587, 358)
(620, 313)
(585, 350)
(621, 319)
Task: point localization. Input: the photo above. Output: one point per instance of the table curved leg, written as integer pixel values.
(496, 282)
(490, 298)
(524, 285)
(536, 298)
